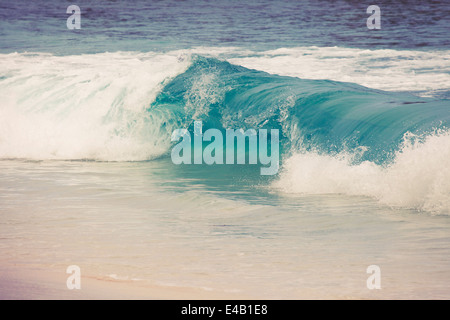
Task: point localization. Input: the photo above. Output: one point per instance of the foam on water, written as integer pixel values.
(419, 178)
(83, 107)
(426, 73)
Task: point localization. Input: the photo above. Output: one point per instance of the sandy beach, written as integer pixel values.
(28, 283)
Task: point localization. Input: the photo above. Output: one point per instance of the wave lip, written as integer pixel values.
(322, 115)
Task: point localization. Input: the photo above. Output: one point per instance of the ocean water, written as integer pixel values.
(86, 118)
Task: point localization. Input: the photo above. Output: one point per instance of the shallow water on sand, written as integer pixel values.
(132, 222)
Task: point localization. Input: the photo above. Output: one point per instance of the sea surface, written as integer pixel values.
(86, 118)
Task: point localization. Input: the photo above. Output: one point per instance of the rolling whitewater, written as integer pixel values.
(86, 176)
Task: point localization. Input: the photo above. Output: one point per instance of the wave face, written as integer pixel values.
(336, 137)
(313, 115)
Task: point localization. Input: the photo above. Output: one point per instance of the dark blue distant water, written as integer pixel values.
(257, 24)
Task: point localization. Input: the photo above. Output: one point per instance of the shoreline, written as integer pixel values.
(18, 283)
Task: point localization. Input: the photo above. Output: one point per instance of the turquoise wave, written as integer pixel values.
(320, 115)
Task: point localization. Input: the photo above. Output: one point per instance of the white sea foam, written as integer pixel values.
(419, 178)
(426, 73)
(86, 106)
